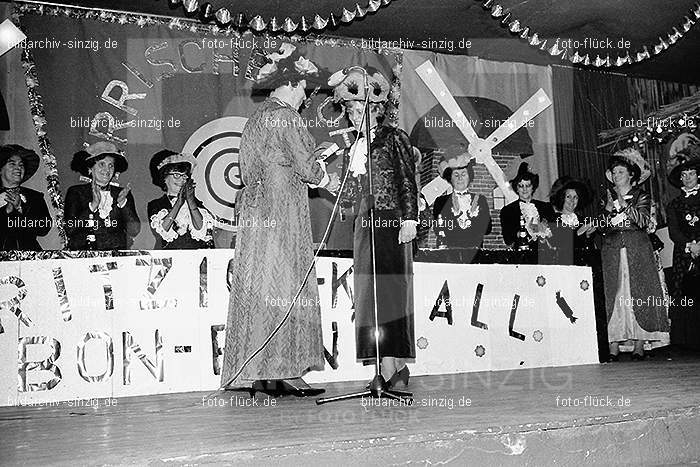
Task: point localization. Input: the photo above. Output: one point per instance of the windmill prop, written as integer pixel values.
(481, 149)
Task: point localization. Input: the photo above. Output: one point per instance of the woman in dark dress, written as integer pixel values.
(684, 229)
(178, 220)
(396, 218)
(98, 214)
(462, 218)
(24, 215)
(571, 239)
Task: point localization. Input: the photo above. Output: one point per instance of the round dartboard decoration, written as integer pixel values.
(215, 145)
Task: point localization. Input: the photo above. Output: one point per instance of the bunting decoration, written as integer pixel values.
(558, 47)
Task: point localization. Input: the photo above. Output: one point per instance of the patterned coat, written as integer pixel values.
(273, 251)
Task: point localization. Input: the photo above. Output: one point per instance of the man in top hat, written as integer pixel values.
(24, 215)
(462, 218)
(683, 217)
(520, 220)
(100, 215)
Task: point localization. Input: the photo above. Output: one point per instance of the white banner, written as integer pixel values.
(136, 325)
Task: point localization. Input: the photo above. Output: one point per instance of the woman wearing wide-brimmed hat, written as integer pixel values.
(274, 246)
(24, 215)
(683, 217)
(98, 214)
(177, 219)
(396, 218)
(462, 218)
(633, 292)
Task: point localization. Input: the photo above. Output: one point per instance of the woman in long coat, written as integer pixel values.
(633, 293)
(274, 243)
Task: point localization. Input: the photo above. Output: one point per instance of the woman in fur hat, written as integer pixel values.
(683, 216)
(99, 215)
(24, 215)
(633, 292)
(178, 220)
(274, 245)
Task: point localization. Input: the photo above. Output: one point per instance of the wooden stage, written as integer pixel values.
(522, 417)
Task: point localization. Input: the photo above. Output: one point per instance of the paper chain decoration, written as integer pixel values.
(205, 12)
(479, 148)
(506, 18)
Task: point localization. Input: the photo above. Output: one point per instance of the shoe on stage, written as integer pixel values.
(400, 376)
(298, 387)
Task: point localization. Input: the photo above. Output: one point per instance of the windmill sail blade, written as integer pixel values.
(529, 110)
(432, 80)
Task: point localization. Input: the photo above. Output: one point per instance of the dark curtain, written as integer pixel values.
(585, 103)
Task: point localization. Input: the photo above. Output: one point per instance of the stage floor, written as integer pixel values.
(620, 413)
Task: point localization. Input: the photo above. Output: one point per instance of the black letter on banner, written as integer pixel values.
(203, 284)
(333, 359)
(164, 264)
(444, 296)
(130, 348)
(336, 281)
(513, 311)
(215, 349)
(63, 303)
(25, 366)
(12, 304)
(109, 351)
(565, 308)
(475, 310)
(104, 269)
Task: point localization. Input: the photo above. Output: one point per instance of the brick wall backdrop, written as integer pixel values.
(482, 184)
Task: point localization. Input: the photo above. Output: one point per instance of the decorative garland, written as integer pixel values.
(39, 119)
(205, 12)
(514, 26)
(183, 24)
(37, 107)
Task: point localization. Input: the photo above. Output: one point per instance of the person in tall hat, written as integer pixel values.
(683, 218)
(462, 218)
(274, 245)
(521, 220)
(396, 216)
(571, 237)
(630, 270)
(178, 220)
(100, 215)
(24, 215)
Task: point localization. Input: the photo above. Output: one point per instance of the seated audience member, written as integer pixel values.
(24, 215)
(461, 218)
(683, 216)
(571, 238)
(100, 215)
(178, 220)
(520, 220)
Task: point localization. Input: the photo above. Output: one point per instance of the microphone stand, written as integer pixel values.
(378, 387)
